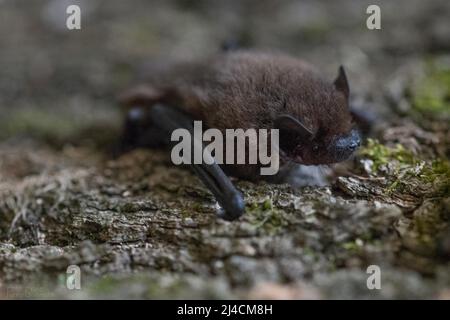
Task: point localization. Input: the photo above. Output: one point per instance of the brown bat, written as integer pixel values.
(245, 89)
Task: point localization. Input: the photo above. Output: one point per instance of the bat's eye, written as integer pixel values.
(315, 148)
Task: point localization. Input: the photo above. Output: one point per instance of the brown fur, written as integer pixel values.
(243, 89)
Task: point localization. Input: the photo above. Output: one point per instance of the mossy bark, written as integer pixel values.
(139, 227)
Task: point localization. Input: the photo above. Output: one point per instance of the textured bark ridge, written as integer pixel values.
(138, 219)
(139, 227)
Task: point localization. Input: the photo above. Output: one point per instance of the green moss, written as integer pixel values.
(382, 155)
(438, 174)
(351, 246)
(40, 124)
(58, 128)
(408, 171)
(267, 205)
(147, 286)
(315, 32)
(428, 222)
(431, 95)
(105, 285)
(265, 217)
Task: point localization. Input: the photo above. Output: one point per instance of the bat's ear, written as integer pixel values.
(341, 83)
(140, 96)
(287, 122)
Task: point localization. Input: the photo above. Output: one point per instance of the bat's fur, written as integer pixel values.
(245, 89)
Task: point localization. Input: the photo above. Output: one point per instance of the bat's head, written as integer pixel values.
(320, 130)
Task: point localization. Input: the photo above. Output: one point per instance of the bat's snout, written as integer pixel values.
(343, 147)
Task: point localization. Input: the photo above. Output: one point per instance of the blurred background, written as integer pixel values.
(51, 72)
(64, 201)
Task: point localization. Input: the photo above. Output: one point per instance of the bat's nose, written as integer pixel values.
(343, 147)
(348, 143)
(354, 143)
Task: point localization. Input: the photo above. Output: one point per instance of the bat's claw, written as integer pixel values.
(233, 208)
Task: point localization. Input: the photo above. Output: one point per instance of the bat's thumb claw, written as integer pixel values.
(234, 208)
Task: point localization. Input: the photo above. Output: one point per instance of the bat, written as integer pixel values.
(245, 89)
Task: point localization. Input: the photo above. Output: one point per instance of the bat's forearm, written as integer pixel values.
(167, 119)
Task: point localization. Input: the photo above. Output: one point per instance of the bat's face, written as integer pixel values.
(329, 136)
(320, 150)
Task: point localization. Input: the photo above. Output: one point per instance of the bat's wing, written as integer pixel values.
(168, 119)
(138, 129)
